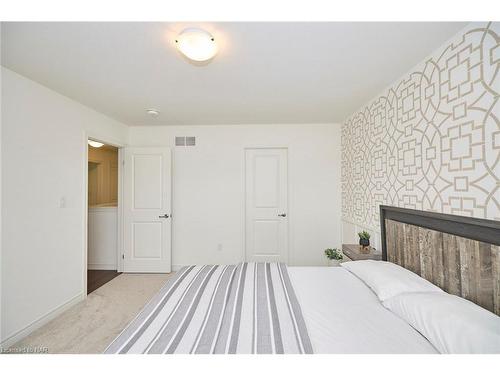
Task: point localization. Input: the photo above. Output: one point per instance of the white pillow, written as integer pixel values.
(388, 279)
(450, 323)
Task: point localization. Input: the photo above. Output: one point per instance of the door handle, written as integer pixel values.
(164, 216)
(282, 215)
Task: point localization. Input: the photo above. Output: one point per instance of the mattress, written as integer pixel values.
(267, 308)
(343, 315)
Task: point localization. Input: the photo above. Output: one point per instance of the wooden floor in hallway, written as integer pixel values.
(97, 278)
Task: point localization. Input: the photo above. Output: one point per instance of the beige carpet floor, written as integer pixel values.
(91, 325)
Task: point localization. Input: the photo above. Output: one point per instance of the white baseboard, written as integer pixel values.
(101, 266)
(37, 323)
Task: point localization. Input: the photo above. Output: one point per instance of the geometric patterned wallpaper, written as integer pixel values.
(432, 141)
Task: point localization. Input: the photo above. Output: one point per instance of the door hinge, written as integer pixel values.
(123, 256)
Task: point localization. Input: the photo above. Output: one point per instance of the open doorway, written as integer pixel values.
(102, 262)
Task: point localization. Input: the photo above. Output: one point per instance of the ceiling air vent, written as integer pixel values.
(185, 141)
(180, 141)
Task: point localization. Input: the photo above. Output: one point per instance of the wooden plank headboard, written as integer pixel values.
(459, 254)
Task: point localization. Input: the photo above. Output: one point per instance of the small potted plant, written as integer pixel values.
(364, 238)
(334, 257)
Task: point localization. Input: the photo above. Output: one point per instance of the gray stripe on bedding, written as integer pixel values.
(290, 311)
(168, 329)
(207, 313)
(237, 313)
(278, 343)
(187, 319)
(152, 307)
(249, 308)
(297, 312)
(212, 324)
(223, 335)
(263, 334)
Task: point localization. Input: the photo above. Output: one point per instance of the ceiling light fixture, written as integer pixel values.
(196, 44)
(152, 112)
(95, 143)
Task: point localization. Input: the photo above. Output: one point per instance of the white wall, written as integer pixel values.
(208, 206)
(43, 162)
(102, 238)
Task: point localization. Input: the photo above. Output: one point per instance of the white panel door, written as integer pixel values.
(147, 209)
(266, 205)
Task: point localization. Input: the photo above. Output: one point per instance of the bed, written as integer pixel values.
(452, 306)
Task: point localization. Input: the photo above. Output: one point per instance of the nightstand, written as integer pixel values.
(356, 252)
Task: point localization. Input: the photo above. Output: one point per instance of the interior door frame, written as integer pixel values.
(244, 194)
(112, 142)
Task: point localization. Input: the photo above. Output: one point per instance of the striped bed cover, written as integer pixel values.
(245, 308)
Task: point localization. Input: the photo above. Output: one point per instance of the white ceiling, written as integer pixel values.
(264, 72)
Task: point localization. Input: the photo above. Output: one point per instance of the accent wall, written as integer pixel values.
(431, 141)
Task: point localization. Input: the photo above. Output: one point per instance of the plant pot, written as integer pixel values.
(364, 242)
(333, 262)
(364, 249)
